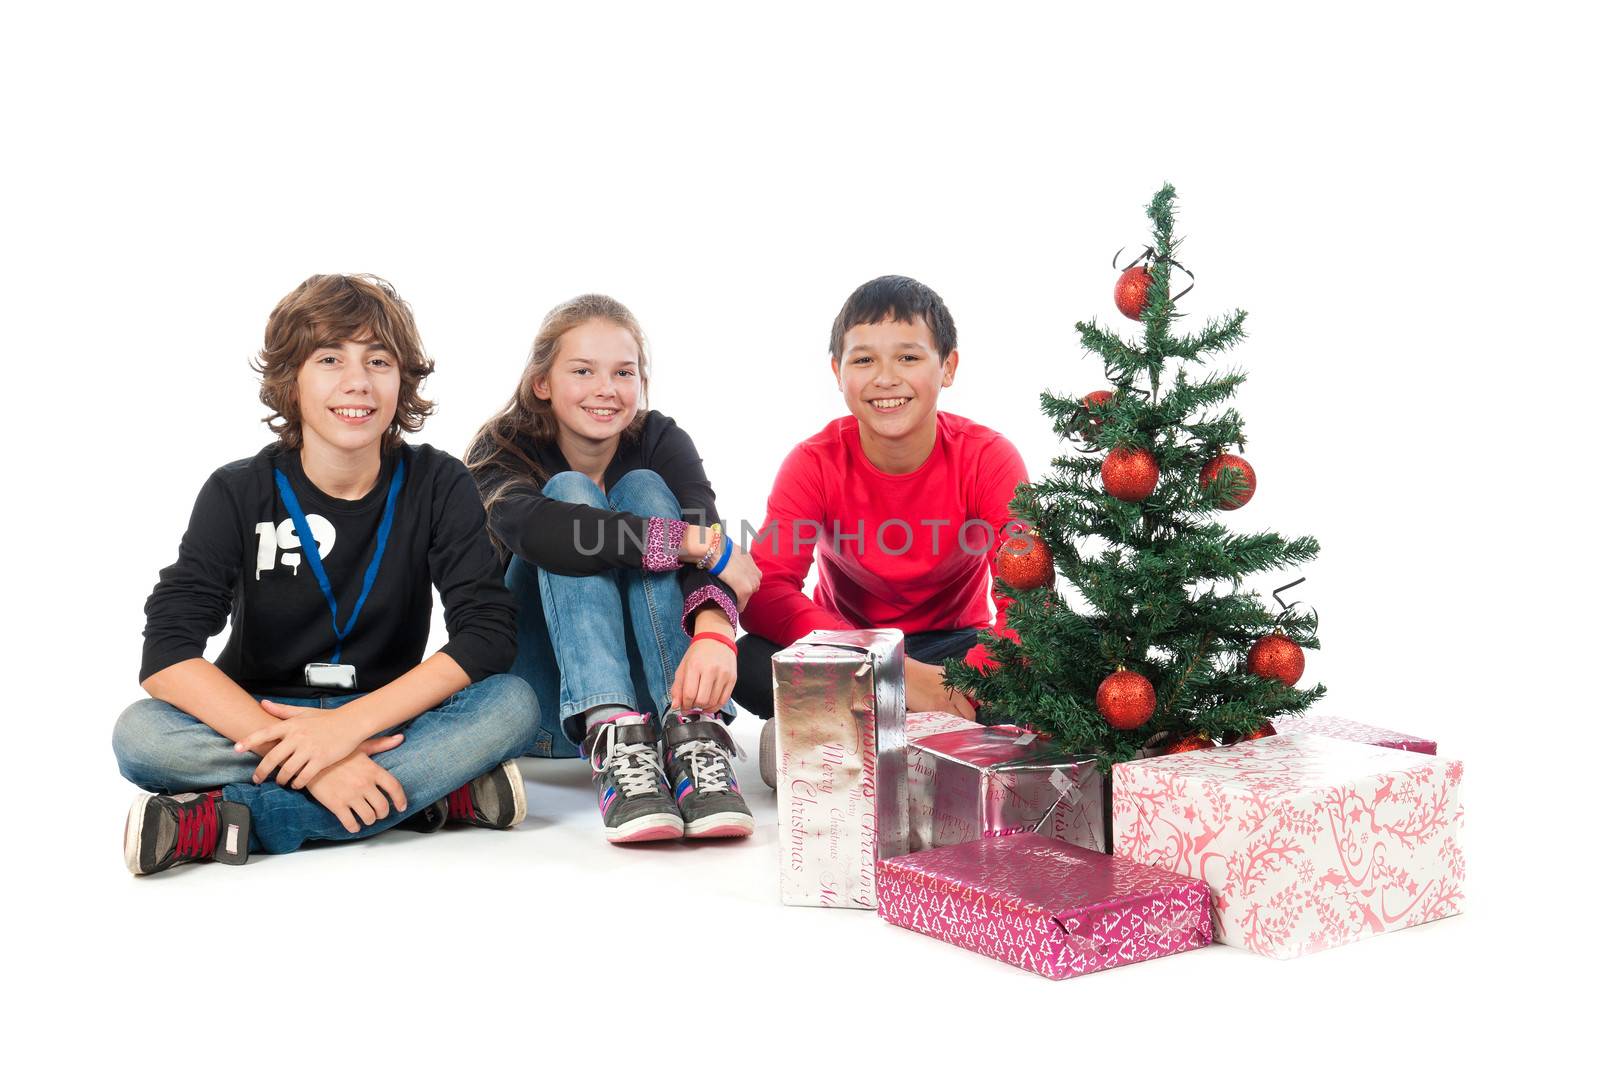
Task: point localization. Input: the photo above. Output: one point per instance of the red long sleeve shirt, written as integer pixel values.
(910, 551)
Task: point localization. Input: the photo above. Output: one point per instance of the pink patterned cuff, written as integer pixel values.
(709, 594)
(662, 537)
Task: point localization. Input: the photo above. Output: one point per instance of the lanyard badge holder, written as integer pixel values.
(333, 673)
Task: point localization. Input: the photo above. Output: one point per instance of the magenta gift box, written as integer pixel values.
(1043, 905)
(1339, 728)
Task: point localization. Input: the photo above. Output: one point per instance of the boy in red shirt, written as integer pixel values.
(906, 507)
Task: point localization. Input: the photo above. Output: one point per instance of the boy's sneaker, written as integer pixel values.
(494, 800)
(768, 756)
(700, 767)
(431, 818)
(635, 803)
(167, 830)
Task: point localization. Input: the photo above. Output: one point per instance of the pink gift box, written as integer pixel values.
(1339, 728)
(1306, 842)
(1043, 905)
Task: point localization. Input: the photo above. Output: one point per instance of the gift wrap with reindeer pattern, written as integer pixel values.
(1306, 842)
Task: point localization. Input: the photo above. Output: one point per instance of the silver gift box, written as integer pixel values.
(982, 783)
(841, 712)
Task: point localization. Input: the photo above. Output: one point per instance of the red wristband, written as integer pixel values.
(719, 638)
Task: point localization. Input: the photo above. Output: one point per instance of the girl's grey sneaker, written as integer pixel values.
(167, 830)
(635, 803)
(700, 768)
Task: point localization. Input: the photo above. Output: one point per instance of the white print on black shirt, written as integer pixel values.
(271, 538)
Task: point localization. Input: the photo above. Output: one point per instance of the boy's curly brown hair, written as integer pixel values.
(329, 309)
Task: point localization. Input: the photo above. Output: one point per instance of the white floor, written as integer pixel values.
(547, 935)
(1387, 188)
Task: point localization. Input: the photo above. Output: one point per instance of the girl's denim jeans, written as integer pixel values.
(607, 639)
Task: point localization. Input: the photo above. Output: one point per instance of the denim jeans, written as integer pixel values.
(161, 748)
(753, 688)
(609, 639)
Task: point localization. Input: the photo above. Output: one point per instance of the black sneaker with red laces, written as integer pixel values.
(167, 830)
(496, 799)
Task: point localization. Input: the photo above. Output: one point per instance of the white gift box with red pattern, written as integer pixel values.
(1342, 729)
(1306, 842)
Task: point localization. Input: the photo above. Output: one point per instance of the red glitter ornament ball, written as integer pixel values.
(1198, 741)
(1025, 562)
(1242, 494)
(1095, 404)
(1126, 700)
(1133, 291)
(1278, 657)
(1130, 474)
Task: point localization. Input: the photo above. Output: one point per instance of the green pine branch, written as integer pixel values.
(1216, 336)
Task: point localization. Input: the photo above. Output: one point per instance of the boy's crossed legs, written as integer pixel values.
(457, 755)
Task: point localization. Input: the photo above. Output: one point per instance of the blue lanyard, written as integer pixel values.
(313, 557)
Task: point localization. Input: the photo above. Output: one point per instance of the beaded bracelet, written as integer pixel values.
(711, 548)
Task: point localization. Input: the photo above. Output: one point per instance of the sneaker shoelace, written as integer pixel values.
(197, 828)
(708, 764)
(461, 806)
(636, 765)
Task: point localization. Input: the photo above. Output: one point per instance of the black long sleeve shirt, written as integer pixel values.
(241, 563)
(576, 540)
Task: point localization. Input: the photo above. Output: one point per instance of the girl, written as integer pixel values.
(628, 590)
(324, 549)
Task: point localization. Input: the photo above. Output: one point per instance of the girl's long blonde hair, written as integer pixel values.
(498, 446)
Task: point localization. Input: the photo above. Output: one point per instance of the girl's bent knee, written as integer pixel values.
(570, 486)
(644, 492)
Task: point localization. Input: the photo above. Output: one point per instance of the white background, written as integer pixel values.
(1401, 197)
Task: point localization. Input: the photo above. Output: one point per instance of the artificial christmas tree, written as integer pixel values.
(1129, 515)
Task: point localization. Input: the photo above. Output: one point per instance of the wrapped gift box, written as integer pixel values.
(1339, 728)
(1306, 842)
(919, 764)
(840, 699)
(978, 783)
(1044, 905)
(921, 725)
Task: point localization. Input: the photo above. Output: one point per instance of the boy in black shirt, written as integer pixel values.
(320, 718)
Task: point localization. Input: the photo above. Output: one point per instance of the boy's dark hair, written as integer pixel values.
(901, 299)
